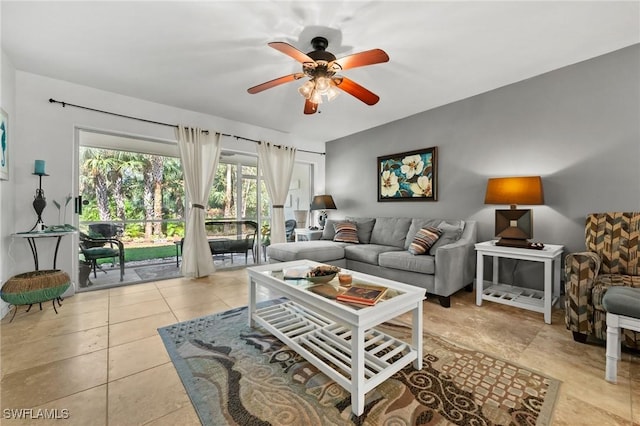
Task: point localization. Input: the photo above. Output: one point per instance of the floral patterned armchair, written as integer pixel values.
(611, 259)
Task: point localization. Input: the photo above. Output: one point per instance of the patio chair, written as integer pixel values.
(96, 248)
(105, 230)
(289, 227)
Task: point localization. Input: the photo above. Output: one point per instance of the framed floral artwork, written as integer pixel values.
(408, 176)
(4, 140)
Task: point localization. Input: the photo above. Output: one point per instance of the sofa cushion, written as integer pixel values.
(367, 253)
(390, 231)
(346, 232)
(622, 301)
(329, 231)
(405, 261)
(320, 251)
(98, 252)
(365, 226)
(416, 225)
(604, 281)
(451, 232)
(424, 239)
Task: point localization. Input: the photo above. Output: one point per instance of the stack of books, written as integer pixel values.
(362, 294)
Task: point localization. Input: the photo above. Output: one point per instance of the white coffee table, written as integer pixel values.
(338, 338)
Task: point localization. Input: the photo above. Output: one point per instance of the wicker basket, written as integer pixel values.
(35, 287)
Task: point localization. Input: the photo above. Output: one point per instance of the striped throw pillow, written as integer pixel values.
(424, 239)
(346, 232)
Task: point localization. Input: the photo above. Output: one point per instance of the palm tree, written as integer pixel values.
(218, 193)
(147, 195)
(157, 173)
(97, 164)
(229, 191)
(173, 191)
(248, 188)
(127, 163)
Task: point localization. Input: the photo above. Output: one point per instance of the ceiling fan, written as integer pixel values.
(322, 68)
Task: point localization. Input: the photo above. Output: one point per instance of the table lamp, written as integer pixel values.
(514, 226)
(322, 203)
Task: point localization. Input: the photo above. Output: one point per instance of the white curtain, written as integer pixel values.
(199, 154)
(277, 163)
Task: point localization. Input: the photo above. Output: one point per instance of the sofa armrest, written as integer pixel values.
(581, 270)
(455, 262)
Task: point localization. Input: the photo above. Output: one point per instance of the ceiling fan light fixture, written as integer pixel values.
(306, 89)
(322, 85)
(332, 93)
(316, 97)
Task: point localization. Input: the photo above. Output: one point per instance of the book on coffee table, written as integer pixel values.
(325, 290)
(362, 294)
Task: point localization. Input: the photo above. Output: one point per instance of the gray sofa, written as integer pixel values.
(383, 251)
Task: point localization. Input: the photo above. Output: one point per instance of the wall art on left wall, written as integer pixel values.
(4, 138)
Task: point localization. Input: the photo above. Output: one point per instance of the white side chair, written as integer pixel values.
(623, 311)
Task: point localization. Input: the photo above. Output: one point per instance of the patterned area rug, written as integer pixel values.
(236, 375)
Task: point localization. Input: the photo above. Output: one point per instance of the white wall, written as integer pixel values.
(7, 226)
(45, 131)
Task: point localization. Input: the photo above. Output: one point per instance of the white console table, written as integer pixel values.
(534, 300)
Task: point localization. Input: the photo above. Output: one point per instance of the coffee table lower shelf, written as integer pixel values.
(327, 345)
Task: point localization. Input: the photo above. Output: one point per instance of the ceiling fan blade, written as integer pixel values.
(275, 82)
(369, 57)
(310, 107)
(288, 49)
(354, 89)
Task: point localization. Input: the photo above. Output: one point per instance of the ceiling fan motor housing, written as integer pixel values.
(319, 43)
(319, 53)
(321, 58)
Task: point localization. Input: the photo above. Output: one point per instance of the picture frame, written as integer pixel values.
(408, 176)
(4, 145)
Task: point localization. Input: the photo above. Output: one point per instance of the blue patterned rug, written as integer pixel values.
(236, 375)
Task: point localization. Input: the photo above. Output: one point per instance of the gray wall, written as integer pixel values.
(577, 127)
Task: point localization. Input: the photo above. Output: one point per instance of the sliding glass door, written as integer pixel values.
(132, 193)
(133, 207)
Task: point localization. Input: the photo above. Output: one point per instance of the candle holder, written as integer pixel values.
(39, 203)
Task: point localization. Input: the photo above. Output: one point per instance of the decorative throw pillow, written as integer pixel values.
(424, 239)
(346, 232)
(450, 234)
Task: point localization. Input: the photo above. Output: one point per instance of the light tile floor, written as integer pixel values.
(101, 358)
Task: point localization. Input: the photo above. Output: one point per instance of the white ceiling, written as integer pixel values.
(203, 56)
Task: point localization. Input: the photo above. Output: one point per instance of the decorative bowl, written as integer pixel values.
(322, 278)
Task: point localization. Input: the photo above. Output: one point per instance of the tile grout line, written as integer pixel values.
(168, 305)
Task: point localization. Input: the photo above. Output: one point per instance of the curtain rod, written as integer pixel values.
(64, 104)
